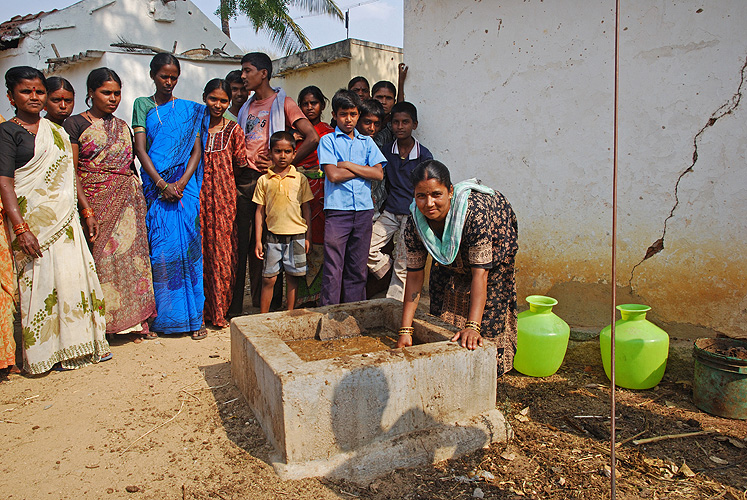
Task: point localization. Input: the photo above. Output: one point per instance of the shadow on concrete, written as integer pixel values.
(377, 437)
(373, 436)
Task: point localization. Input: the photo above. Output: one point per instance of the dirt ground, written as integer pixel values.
(162, 420)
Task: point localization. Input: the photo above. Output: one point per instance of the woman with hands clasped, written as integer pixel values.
(169, 135)
(62, 305)
(471, 233)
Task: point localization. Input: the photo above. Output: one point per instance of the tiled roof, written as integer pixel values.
(57, 63)
(9, 31)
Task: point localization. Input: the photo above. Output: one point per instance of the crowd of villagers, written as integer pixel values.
(248, 182)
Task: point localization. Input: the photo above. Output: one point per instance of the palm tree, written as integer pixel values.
(271, 16)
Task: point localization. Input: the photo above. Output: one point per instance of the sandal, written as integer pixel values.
(149, 336)
(106, 357)
(200, 334)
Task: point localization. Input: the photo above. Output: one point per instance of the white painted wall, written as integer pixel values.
(96, 24)
(520, 94)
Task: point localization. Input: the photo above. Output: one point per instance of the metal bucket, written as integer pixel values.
(720, 381)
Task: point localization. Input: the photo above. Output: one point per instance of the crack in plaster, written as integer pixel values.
(725, 109)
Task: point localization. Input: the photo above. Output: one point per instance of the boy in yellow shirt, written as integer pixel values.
(282, 197)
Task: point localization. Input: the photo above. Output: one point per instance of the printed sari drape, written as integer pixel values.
(7, 293)
(121, 249)
(174, 227)
(62, 305)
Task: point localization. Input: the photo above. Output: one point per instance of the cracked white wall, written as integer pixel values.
(520, 94)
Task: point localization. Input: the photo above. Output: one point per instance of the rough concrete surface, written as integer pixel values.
(356, 416)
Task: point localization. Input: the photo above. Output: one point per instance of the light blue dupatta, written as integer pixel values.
(445, 249)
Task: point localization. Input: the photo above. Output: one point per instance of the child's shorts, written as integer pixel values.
(286, 250)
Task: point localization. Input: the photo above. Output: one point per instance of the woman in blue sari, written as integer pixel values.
(168, 142)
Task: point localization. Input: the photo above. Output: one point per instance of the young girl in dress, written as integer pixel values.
(225, 150)
(312, 102)
(60, 99)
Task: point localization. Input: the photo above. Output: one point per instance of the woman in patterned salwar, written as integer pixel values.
(225, 151)
(471, 233)
(168, 142)
(62, 305)
(103, 145)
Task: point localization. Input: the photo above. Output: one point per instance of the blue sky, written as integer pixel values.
(380, 21)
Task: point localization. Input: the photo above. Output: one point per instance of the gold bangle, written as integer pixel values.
(21, 228)
(474, 325)
(87, 212)
(406, 330)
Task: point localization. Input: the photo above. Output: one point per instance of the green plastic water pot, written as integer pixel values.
(641, 349)
(542, 338)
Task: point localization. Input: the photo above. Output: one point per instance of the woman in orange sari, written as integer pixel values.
(7, 342)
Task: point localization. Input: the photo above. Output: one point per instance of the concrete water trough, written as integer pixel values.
(359, 416)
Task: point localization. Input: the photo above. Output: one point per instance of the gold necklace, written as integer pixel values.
(153, 97)
(18, 122)
(91, 117)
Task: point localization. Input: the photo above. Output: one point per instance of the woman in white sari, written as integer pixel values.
(62, 306)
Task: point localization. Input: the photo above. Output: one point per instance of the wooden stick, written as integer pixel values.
(620, 443)
(644, 403)
(154, 428)
(669, 436)
(575, 425)
(190, 394)
(594, 416)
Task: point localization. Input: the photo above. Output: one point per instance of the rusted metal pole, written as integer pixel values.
(614, 253)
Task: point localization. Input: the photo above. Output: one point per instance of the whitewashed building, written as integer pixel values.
(122, 35)
(520, 94)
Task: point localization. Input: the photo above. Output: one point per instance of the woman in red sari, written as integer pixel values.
(102, 144)
(225, 150)
(312, 102)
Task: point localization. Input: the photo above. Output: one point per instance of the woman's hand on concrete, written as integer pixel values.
(468, 338)
(404, 341)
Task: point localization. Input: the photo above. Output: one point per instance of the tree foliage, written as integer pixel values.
(272, 18)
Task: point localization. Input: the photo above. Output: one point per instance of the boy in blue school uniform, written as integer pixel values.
(402, 156)
(350, 162)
